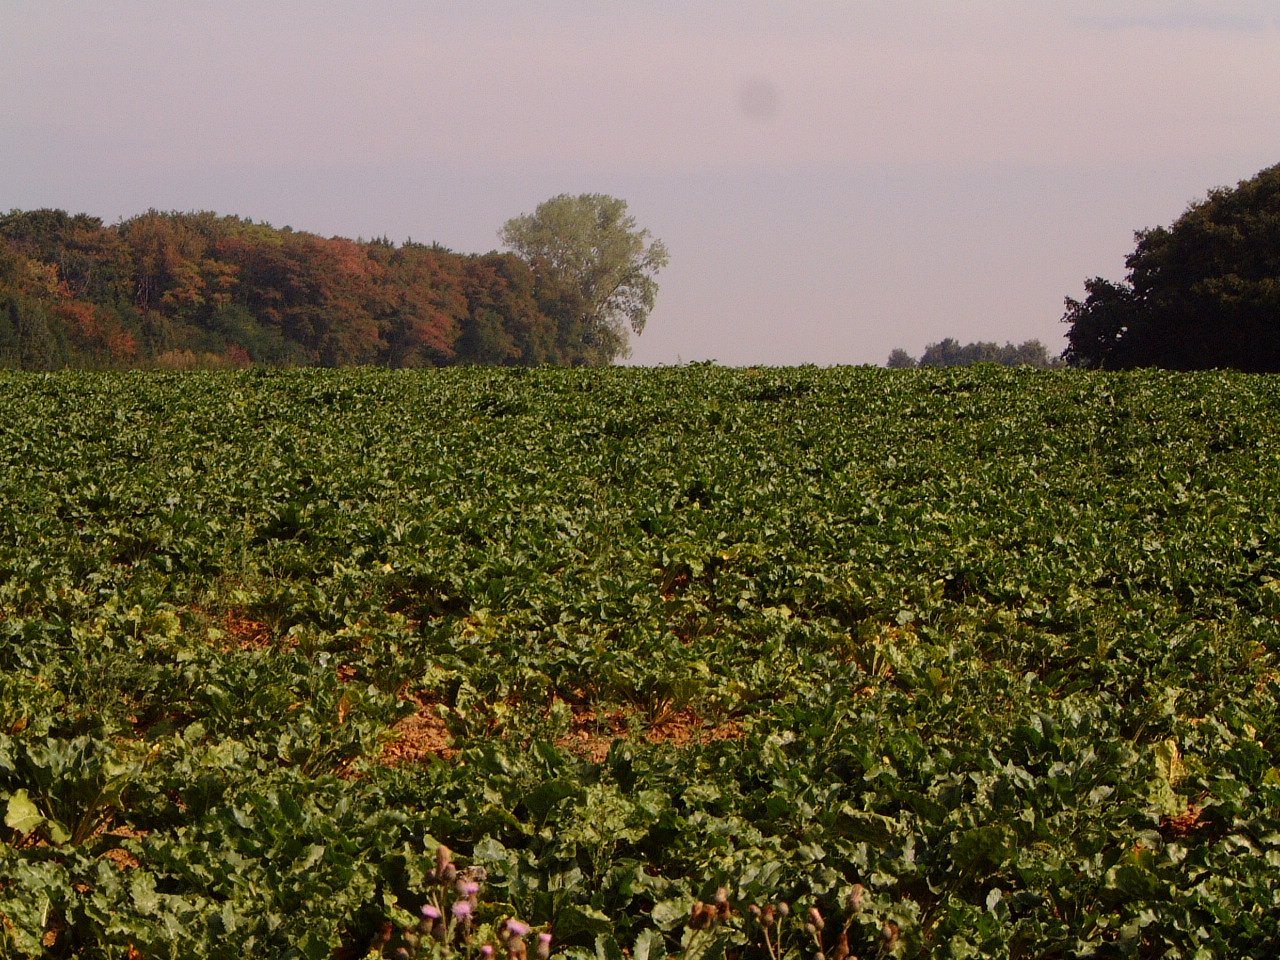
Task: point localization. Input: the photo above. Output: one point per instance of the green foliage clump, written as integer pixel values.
(592, 249)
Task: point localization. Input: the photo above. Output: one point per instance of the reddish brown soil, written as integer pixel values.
(591, 735)
(418, 736)
(244, 632)
(1183, 825)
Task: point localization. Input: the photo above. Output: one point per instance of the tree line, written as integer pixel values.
(184, 290)
(951, 353)
(203, 290)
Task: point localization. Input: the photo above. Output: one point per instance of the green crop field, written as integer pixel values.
(971, 662)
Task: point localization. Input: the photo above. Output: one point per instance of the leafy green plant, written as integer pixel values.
(998, 647)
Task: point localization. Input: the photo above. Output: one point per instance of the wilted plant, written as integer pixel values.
(704, 924)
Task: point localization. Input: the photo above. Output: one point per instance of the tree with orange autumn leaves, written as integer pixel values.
(184, 290)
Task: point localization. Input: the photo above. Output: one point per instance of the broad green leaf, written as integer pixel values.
(22, 814)
(669, 914)
(866, 827)
(649, 945)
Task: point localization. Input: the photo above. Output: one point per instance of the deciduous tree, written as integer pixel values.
(591, 246)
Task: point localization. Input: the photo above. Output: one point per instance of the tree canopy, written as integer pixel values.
(1200, 294)
(590, 248)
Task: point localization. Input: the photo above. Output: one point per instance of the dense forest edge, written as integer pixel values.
(199, 290)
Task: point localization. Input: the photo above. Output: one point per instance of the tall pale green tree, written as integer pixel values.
(591, 250)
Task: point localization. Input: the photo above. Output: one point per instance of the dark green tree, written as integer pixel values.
(1202, 293)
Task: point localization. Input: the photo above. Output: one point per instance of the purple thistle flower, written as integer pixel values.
(543, 951)
(487, 951)
(430, 911)
(462, 910)
(517, 928)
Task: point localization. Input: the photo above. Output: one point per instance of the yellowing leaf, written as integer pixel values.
(1169, 761)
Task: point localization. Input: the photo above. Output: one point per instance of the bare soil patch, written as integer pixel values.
(420, 735)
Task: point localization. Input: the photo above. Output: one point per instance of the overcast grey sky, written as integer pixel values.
(833, 178)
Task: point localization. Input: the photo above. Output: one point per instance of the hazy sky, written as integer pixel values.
(833, 178)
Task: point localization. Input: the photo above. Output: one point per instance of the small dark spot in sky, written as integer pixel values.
(758, 98)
